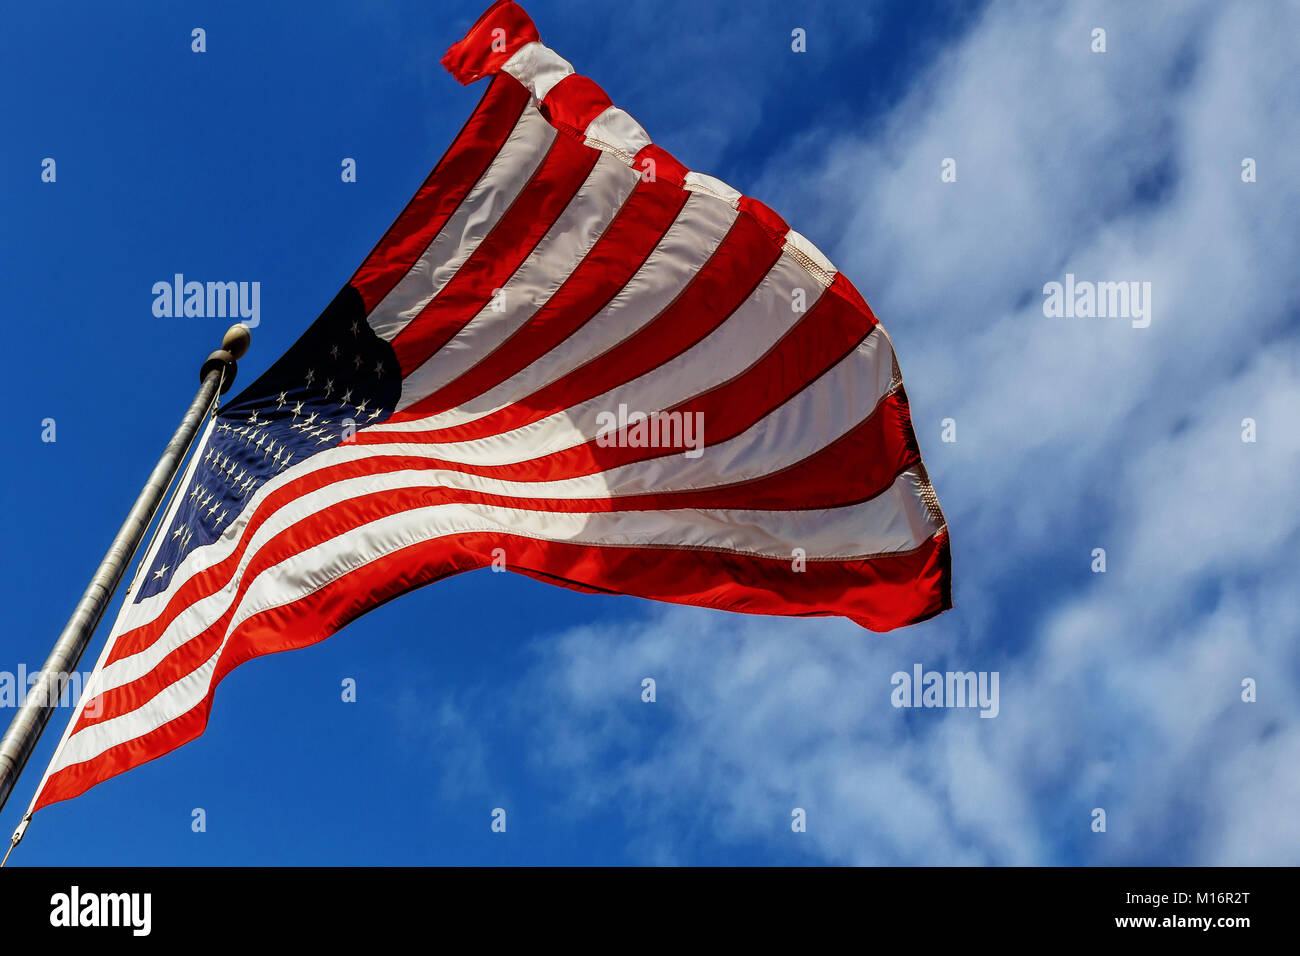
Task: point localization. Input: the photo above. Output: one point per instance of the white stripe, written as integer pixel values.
(537, 67)
(616, 129)
(800, 244)
(481, 209)
(701, 182)
(550, 263)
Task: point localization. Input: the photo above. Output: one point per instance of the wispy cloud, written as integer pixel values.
(1119, 690)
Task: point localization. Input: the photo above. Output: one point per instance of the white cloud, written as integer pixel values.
(1118, 690)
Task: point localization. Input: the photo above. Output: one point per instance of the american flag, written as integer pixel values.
(512, 376)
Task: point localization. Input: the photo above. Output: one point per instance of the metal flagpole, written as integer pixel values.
(216, 376)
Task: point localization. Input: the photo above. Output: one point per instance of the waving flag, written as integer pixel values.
(571, 356)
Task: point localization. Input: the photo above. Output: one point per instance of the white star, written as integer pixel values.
(297, 409)
(379, 369)
(374, 414)
(213, 509)
(220, 518)
(180, 530)
(334, 352)
(356, 328)
(311, 375)
(252, 419)
(356, 361)
(157, 575)
(324, 438)
(345, 397)
(329, 385)
(362, 407)
(284, 397)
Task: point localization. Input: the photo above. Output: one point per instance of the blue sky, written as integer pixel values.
(1119, 690)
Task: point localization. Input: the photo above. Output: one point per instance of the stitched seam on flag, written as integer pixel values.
(811, 267)
(929, 496)
(605, 147)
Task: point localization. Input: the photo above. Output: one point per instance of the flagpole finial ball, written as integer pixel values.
(237, 340)
(222, 361)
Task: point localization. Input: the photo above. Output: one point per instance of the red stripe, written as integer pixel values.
(774, 224)
(654, 161)
(574, 102)
(495, 37)
(610, 264)
(443, 191)
(877, 593)
(553, 185)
